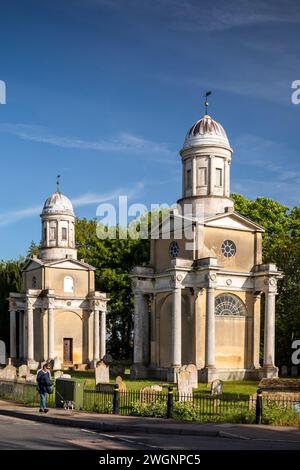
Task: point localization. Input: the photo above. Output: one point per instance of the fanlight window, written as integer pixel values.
(68, 284)
(227, 304)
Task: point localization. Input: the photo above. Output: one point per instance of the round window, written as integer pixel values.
(174, 249)
(228, 248)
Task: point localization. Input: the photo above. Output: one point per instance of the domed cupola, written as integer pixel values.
(206, 131)
(58, 228)
(57, 203)
(206, 156)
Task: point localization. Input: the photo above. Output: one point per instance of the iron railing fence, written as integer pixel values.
(23, 392)
(198, 407)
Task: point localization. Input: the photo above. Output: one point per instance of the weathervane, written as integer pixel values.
(206, 102)
(58, 183)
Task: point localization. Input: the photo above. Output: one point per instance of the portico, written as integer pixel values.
(58, 316)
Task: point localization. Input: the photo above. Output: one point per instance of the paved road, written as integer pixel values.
(17, 434)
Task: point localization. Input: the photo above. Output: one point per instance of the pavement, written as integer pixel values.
(138, 425)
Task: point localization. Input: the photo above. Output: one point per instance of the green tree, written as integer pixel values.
(113, 260)
(281, 245)
(10, 281)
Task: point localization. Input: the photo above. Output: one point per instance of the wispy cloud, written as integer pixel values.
(123, 142)
(14, 216)
(195, 15)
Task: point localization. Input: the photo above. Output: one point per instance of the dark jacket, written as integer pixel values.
(44, 383)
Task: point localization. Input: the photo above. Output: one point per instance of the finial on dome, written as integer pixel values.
(206, 102)
(58, 183)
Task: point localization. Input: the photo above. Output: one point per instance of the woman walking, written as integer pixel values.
(44, 386)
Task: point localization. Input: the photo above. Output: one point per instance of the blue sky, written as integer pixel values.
(104, 91)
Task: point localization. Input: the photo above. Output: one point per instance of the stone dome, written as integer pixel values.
(206, 131)
(57, 203)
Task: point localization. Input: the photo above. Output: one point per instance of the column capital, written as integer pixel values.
(212, 279)
(30, 301)
(270, 285)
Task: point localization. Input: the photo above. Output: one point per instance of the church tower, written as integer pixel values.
(58, 229)
(199, 300)
(206, 156)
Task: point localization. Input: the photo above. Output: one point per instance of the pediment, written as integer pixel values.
(70, 264)
(234, 221)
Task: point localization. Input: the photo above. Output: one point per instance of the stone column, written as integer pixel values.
(50, 333)
(138, 328)
(30, 333)
(226, 179)
(21, 337)
(96, 337)
(102, 334)
(256, 331)
(211, 177)
(269, 333)
(210, 328)
(176, 327)
(13, 334)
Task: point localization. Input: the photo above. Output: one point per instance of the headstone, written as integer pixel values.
(185, 391)
(58, 374)
(56, 363)
(294, 371)
(102, 373)
(24, 370)
(284, 371)
(193, 377)
(117, 370)
(148, 395)
(216, 388)
(2, 352)
(121, 383)
(107, 359)
(9, 373)
(65, 376)
(30, 378)
(156, 388)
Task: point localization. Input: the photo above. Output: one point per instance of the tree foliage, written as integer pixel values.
(281, 245)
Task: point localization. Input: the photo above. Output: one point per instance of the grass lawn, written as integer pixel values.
(242, 388)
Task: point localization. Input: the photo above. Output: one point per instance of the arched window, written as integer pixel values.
(68, 284)
(228, 304)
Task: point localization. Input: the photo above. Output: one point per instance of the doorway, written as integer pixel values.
(68, 350)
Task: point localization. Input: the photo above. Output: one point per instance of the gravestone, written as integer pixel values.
(216, 388)
(185, 391)
(65, 376)
(193, 377)
(284, 371)
(9, 373)
(121, 383)
(156, 388)
(24, 370)
(148, 395)
(294, 371)
(30, 378)
(102, 373)
(58, 374)
(2, 352)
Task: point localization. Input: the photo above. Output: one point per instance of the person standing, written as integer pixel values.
(44, 385)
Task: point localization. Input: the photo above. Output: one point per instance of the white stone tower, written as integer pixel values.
(58, 229)
(206, 156)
